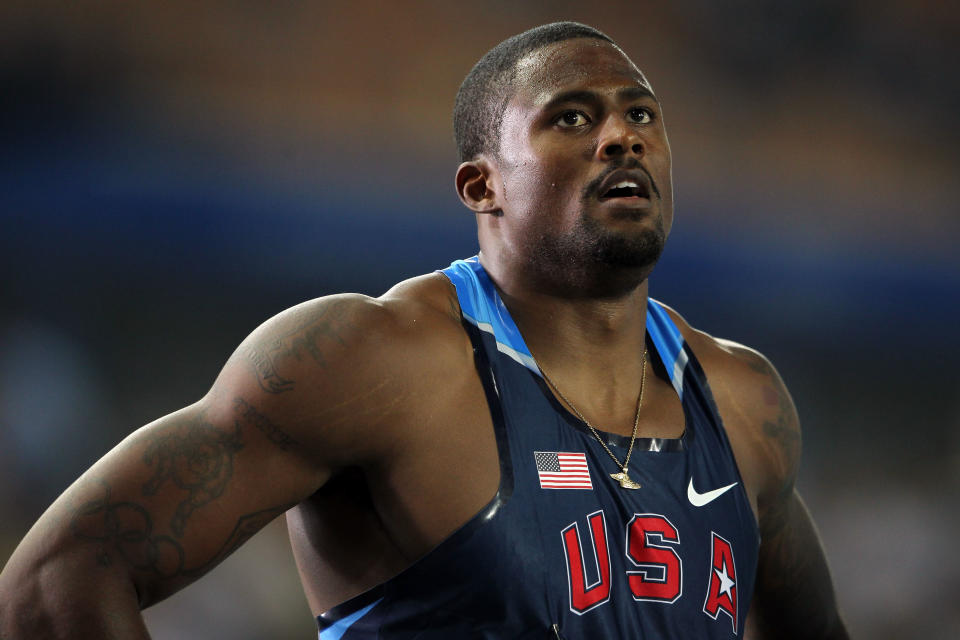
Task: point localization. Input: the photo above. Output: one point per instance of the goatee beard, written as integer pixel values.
(619, 250)
(594, 261)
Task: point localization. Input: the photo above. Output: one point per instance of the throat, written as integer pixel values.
(612, 405)
(638, 404)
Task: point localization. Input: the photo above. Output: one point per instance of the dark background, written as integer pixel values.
(172, 174)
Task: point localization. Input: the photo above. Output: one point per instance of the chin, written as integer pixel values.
(633, 251)
(595, 259)
(628, 255)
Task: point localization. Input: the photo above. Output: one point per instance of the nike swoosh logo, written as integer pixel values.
(700, 499)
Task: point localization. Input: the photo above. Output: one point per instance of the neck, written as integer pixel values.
(573, 334)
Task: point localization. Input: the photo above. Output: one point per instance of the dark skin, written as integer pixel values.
(351, 406)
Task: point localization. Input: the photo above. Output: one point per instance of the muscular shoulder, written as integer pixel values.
(756, 408)
(421, 310)
(338, 369)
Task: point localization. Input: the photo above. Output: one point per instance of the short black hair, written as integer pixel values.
(485, 92)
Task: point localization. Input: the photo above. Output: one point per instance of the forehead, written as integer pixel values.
(579, 63)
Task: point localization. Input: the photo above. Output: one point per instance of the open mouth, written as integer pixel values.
(626, 189)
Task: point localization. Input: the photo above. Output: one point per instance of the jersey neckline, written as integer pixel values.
(489, 313)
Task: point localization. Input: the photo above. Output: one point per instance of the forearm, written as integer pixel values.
(63, 595)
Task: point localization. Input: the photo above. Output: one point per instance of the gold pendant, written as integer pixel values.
(625, 480)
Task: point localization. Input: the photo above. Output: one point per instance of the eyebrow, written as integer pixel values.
(583, 95)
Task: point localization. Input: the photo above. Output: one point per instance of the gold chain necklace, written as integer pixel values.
(623, 476)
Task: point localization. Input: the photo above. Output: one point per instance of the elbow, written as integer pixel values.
(23, 613)
(56, 597)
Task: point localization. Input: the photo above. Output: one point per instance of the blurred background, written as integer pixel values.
(174, 173)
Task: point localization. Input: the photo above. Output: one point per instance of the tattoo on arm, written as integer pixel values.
(195, 457)
(267, 376)
(779, 422)
(307, 337)
(245, 528)
(782, 428)
(275, 434)
(126, 529)
(794, 595)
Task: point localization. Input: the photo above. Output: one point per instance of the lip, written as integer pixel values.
(631, 202)
(619, 175)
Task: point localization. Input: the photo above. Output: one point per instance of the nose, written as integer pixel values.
(618, 138)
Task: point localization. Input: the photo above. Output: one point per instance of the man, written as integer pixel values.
(521, 446)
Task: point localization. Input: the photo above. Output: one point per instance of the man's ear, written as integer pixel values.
(475, 186)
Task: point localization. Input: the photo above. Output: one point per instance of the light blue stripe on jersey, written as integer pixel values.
(481, 305)
(669, 343)
(341, 626)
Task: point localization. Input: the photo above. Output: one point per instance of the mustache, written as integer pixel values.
(632, 163)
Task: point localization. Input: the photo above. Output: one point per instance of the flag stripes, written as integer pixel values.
(559, 470)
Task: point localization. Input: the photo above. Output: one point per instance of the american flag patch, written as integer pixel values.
(562, 470)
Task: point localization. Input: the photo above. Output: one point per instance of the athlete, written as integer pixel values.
(523, 445)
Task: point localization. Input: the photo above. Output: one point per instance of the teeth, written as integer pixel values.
(626, 184)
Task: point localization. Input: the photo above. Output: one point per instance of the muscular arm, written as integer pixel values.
(179, 495)
(794, 596)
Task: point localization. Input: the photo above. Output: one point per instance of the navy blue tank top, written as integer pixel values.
(562, 551)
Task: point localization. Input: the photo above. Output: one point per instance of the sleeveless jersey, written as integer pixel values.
(562, 551)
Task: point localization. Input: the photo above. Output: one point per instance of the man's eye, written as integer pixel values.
(572, 119)
(640, 115)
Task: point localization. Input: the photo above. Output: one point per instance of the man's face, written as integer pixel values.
(584, 161)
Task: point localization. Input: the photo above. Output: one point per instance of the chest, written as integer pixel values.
(597, 557)
(444, 470)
